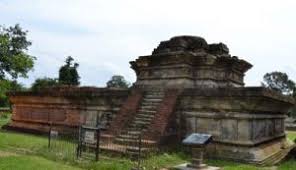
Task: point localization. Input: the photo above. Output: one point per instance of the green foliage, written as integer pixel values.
(68, 74)
(4, 115)
(4, 119)
(6, 86)
(280, 82)
(118, 81)
(292, 111)
(291, 135)
(288, 165)
(14, 60)
(228, 165)
(45, 82)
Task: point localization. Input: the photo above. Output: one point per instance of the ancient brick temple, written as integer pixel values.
(185, 86)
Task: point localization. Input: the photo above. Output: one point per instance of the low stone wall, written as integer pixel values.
(68, 106)
(238, 118)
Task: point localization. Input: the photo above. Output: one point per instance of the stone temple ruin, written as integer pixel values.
(185, 86)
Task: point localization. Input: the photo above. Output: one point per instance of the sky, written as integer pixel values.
(104, 35)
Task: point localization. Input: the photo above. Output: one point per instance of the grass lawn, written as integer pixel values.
(27, 152)
(291, 135)
(28, 162)
(4, 119)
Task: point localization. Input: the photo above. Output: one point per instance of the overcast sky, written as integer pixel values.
(104, 35)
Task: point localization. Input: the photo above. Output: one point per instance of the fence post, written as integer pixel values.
(49, 135)
(98, 144)
(79, 145)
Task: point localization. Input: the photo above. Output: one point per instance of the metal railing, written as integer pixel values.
(89, 143)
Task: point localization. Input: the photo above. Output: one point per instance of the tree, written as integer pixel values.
(14, 60)
(6, 86)
(280, 82)
(45, 82)
(118, 81)
(68, 74)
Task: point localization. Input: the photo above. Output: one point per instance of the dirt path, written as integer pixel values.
(6, 154)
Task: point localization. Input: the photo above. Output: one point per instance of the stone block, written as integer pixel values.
(244, 130)
(259, 129)
(229, 130)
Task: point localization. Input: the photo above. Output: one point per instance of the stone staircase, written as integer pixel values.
(277, 157)
(130, 136)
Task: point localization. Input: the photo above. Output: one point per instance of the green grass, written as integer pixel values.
(165, 160)
(22, 162)
(291, 135)
(28, 152)
(288, 165)
(27, 142)
(4, 119)
(227, 165)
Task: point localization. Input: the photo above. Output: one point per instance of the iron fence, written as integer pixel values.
(90, 143)
(62, 141)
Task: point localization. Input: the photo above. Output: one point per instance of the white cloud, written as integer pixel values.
(106, 35)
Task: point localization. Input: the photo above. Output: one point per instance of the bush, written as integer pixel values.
(45, 82)
(6, 86)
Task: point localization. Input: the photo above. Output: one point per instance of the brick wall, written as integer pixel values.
(37, 110)
(163, 116)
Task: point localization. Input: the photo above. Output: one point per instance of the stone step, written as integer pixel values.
(146, 111)
(146, 144)
(154, 93)
(132, 132)
(149, 104)
(152, 100)
(148, 107)
(275, 158)
(128, 136)
(145, 115)
(130, 128)
(138, 126)
(147, 119)
(141, 122)
(134, 142)
(152, 97)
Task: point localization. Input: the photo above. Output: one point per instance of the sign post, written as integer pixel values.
(197, 142)
(89, 137)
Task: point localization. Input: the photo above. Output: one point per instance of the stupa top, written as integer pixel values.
(189, 62)
(188, 43)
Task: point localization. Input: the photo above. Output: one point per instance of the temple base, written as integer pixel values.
(263, 154)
